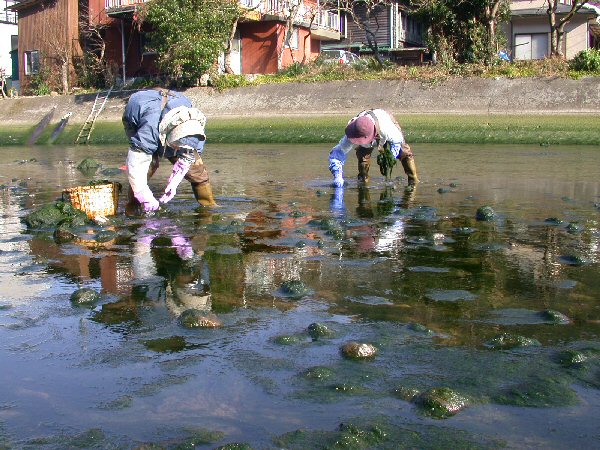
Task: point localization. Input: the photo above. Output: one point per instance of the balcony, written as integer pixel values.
(7, 16)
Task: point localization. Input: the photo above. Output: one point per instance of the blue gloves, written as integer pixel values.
(338, 178)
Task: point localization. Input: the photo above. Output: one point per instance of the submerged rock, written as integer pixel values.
(88, 165)
(485, 213)
(194, 318)
(571, 358)
(235, 446)
(573, 260)
(105, 236)
(539, 393)
(169, 344)
(507, 341)
(287, 340)
(294, 289)
(555, 316)
(553, 221)
(317, 330)
(575, 228)
(84, 296)
(358, 350)
(318, 373)
(441, 403)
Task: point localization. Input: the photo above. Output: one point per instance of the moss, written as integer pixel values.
(318, 330)
(507, 341)
(169, 344)
(485, 213)
(52, 214)
(318, 373)
(194, 318)
(555, 317)
(539, 393)
(441, 403)
(294, 289)
(84, 296)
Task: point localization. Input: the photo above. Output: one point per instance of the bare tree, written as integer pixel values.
(290, 9)
(312, 15)
(364, 15)
(558, 24)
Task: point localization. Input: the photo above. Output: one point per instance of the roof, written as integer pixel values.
(23, 4)
(561, 9)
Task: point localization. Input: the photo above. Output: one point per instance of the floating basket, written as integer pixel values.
(98, 200)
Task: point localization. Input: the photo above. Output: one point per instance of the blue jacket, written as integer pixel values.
(143, 114)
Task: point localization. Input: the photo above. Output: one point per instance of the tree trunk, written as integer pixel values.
(65, 76)
(227, 64)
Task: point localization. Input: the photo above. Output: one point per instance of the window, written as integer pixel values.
(531, 46)
(293, 42)
(32, 62)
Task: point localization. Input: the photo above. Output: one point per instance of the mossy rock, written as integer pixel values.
(571, 358)
(553, 221)
(555, 317)
(318, 373)
(485, 213)
(105, 236)
(573, 260)
(540, 393)
(84, 296)
(507, 341)
(358, 350)
(575, 228)
(441, 403)
(194, 318)
(88, 165)
(294, 289)
(318, 330)
(53, 214)
(166, 345)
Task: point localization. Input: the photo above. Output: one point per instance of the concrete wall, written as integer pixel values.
(456, 96)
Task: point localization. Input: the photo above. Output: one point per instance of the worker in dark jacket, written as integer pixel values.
(161, 123)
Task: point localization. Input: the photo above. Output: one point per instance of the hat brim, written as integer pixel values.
(187, 128)
(362, 140)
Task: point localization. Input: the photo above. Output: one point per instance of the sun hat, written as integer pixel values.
(181, 122)
(361, 130)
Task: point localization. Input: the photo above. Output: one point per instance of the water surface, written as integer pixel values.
(411, 272)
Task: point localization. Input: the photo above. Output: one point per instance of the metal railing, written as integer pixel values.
(7, 16)
(323, 18)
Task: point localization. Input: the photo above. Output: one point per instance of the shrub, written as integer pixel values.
(586, 61)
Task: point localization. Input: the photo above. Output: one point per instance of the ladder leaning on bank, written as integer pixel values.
(87, 128)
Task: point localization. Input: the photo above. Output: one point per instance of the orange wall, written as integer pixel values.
(261, 42)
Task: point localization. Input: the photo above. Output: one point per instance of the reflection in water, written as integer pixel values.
(410, 270)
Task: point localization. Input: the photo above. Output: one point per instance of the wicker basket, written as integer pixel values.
(99, 200)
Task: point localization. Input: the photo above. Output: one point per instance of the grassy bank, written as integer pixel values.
(419, 128)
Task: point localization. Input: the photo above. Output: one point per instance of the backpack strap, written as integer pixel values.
(372, 115)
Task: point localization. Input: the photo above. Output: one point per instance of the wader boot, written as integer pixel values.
(203, 194)
(410, 169)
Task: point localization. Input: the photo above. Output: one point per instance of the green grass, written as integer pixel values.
(418, 128)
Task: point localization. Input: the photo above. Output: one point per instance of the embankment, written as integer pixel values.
(484, 99)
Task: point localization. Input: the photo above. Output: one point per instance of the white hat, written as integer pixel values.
(181, 122)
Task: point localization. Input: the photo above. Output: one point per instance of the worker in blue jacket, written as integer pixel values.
(161, 123)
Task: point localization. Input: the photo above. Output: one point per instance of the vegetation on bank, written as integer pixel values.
(418, 128)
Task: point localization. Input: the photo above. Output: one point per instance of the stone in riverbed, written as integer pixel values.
(441, 403)
(318, 330)
(358, 350)
(485, 213)
(194, 318)
(507, 341)
(84, 296)
(555, 316)
(295, 289)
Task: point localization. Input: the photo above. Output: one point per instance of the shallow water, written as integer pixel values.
(413, 273)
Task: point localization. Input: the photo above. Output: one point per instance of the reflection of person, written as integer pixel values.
(365, 132)
(161, 123)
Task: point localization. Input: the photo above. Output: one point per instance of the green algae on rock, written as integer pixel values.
(52, 214)
(194, 318)
(406, 393)
(357, 350)
(507, 341)
(539, 393)
(166, 345)
(235, 446)
(318, 330)
(485, 213)
(84, 296)
(288, 339)
(441, 403)
(88, 165)
(571, 358)
(294, 289)
(555, 317)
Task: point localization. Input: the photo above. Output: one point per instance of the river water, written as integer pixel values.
(413, 273)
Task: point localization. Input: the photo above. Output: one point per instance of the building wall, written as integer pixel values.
(380, 26)
(577, 32)
(49, 29)
(259, 47)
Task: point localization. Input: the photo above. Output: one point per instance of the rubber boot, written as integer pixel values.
(410, 169)
(203, 194)
(363, 171)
